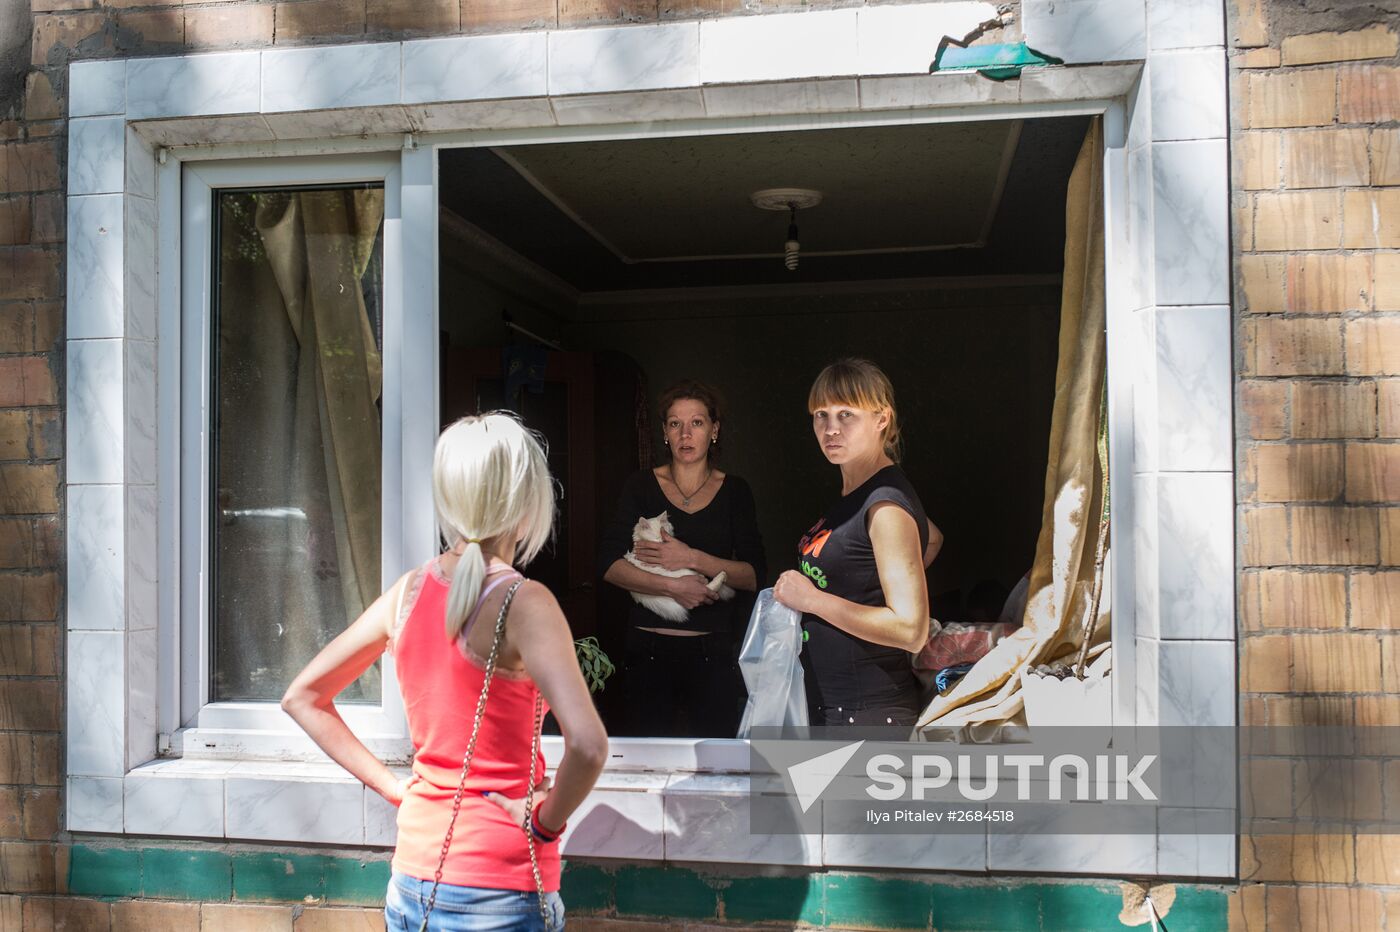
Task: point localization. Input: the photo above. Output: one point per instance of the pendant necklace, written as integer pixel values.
(685, 499)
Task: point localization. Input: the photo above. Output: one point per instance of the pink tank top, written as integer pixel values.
(441, 683)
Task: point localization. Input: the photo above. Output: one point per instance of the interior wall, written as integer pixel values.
(973, 369)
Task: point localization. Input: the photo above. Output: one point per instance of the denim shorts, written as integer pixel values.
(467, 909)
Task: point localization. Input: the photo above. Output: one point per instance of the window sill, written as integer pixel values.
(635, 815)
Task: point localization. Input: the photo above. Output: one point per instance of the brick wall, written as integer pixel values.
(31, 450)
(1316, 189)
(1316, 182)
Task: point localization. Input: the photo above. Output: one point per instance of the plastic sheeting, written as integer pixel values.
(771, 667)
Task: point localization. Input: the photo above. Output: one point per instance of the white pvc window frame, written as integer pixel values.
(213, 725)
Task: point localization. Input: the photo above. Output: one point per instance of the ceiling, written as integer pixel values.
(898, 201)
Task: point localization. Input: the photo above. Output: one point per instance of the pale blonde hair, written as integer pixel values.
(490, 480)
(858, 383)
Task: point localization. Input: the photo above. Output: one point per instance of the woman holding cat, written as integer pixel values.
(860, 578)
(681, 677)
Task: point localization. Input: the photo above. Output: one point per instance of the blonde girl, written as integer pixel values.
(464, 624)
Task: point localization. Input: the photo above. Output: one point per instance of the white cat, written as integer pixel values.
(663, 605)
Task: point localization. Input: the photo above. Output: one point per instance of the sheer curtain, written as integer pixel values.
(299, 432)
(1061, 580)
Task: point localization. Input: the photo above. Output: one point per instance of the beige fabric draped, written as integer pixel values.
(299, 434)
(319, 245)
(1062, 575)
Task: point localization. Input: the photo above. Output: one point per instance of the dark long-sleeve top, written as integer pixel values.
(726, 528)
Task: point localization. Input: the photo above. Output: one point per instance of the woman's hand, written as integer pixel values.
(667, 553)
(691, 591)
(796, 591)
(399, 789)
(515, 806)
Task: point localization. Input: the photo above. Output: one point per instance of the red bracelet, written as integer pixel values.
(540, 832)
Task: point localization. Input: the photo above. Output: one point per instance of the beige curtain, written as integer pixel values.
(318, 245)
(1062, 575)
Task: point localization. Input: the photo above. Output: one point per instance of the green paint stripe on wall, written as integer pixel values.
(870, 901)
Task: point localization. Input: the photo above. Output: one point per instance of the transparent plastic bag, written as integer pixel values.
(771, 668)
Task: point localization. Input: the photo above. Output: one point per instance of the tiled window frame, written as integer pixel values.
(134, 123)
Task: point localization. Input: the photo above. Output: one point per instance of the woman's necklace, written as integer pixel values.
(685, 499)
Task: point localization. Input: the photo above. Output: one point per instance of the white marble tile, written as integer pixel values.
(193, 85)
(94, 804)
(787, 97)
(95, 153)
(621, 818)
(638, 107)
(204, 131)
(139, 434)
(707, 819)
(1143, 366)
(96, 88)
(1190, 842)
(1193, 383)
(95, 272)
(95, 422)
(481, 114)
(932, 851)
(143, 683)
(475, 67)
(1197, 683)
(1085, 31)
(290, 770)
(1139, 104)
(902, 39)
(96, 551)
(1190, 217)
(312, 811)
(1064, 853)
(139, 275)
(189, 806)
(143, 558)
(186, 766)
(1148, 681)
(329, 77)
(319, 124)
(1181, 24)
(96, 697)
(1195, 555)
(139, 165)
(625, 58)
(1188, 95)
(1141, 282)
(381, 820)
(1056, 83)
(1146, 594)
(780, 46)
(935, 90)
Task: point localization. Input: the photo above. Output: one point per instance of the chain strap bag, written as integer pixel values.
(467, 763)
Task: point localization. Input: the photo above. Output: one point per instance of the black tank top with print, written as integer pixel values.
(843, 671)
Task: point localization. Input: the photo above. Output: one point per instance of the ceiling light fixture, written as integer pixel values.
(791, 200)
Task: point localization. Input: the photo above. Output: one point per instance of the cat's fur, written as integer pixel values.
(663, 605)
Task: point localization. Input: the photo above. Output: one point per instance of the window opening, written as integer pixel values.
(937, 252)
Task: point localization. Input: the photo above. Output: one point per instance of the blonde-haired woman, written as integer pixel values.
(480, 654)
(860, 577)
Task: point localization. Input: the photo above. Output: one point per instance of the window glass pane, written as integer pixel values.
(296, 399)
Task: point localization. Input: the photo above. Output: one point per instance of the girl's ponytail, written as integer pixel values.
(467, 580)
